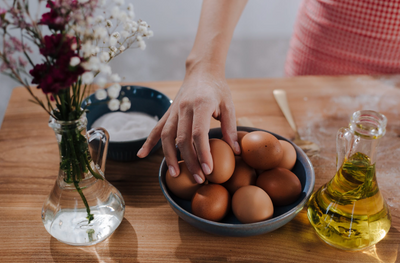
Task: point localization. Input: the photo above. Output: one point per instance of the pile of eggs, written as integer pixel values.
(250, 184)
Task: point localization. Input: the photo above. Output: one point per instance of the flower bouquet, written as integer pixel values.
(76, 39)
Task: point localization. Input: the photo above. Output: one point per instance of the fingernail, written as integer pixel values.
(139, 152)
(237, 147)
(198, 178)
(172, 171)
(206, 169)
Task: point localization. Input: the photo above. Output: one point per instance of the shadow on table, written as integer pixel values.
(290, 243)
(122, 246)
(137, 181)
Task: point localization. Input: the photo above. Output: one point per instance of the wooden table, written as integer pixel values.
(151, 231)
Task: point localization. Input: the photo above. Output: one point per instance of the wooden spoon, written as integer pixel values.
(308, 147)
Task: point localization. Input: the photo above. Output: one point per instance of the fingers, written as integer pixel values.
(201, 125)
(228, 128)
(153, 137)
(185, 143)
(168, 136)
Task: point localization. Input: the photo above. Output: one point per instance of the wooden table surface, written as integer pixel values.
(151, 231)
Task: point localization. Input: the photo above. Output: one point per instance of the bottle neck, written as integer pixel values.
(368, 127)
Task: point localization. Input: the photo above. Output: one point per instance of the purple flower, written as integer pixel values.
(53, 19)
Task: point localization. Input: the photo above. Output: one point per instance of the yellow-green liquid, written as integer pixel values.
(349, 212)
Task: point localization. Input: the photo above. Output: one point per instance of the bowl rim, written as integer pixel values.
(143, 139)
(273, 220)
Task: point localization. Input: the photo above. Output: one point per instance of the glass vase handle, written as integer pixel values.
(346, 141)
(98, 139)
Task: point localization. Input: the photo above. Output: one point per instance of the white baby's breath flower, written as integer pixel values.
(115, 78)
(124, 34)
(113, 49)
(113, 41)
(119, 2)
(112, 54)
(133, 29)
(122, 48)
(122, 16)
(74, 61)
(150, 33)
(104, 57)
(94, 63)
(139, 38)
(105, 69)
(131, 14)
(89, 20)
(87, 78)
(100, 33)
(142, 29)
(74, 46)
(109, 23)
(102, 82)
(114, 90)
(142, 45)
(125, 99)
(101, 94)
(143, 23)
(125, 106)
(113, 104)
(130, 7)
(117, 35)
(87, 48)
(99, 19)
(115, 12)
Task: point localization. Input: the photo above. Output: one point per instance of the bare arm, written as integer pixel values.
(204, 94)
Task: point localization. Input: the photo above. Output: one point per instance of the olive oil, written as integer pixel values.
(349, 212)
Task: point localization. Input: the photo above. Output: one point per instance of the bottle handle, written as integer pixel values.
(346, 142)
(98, 139)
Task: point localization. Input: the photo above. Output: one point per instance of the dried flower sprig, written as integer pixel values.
(77, 50)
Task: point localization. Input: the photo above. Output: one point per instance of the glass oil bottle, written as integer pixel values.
(349, 212)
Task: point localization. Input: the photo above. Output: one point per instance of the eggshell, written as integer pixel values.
(211, 201)
(242, 176)
(184, 186)
(252, 204)
(240, 135)
(289, 155)
(223, 161)
(282, 185)
(261, 150)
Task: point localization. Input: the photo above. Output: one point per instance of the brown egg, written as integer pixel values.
(184, 186)
(289, 155)
(282, 185)
(240, 135)
(223, 161)
(252, 204)
(211, 201)
(261, 150)
(242, 176)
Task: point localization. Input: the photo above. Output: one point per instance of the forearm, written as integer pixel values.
(218, 20)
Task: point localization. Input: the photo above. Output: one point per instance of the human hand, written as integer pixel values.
(187, 122)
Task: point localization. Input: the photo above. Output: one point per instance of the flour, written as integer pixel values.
(126, 126)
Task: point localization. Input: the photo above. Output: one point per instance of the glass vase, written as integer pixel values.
(83, 208)
(349, 212)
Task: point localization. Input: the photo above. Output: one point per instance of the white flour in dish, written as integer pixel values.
(126, 126)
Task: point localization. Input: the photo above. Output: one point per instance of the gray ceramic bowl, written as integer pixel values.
(143, 99)
(230, 225)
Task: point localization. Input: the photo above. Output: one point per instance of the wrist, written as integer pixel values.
(204, 65)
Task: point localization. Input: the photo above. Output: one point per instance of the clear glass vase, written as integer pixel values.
(83, 208)
(349, 212)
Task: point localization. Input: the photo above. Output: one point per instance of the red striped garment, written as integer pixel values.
(337, 37)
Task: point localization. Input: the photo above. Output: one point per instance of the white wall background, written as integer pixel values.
(258, 48)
